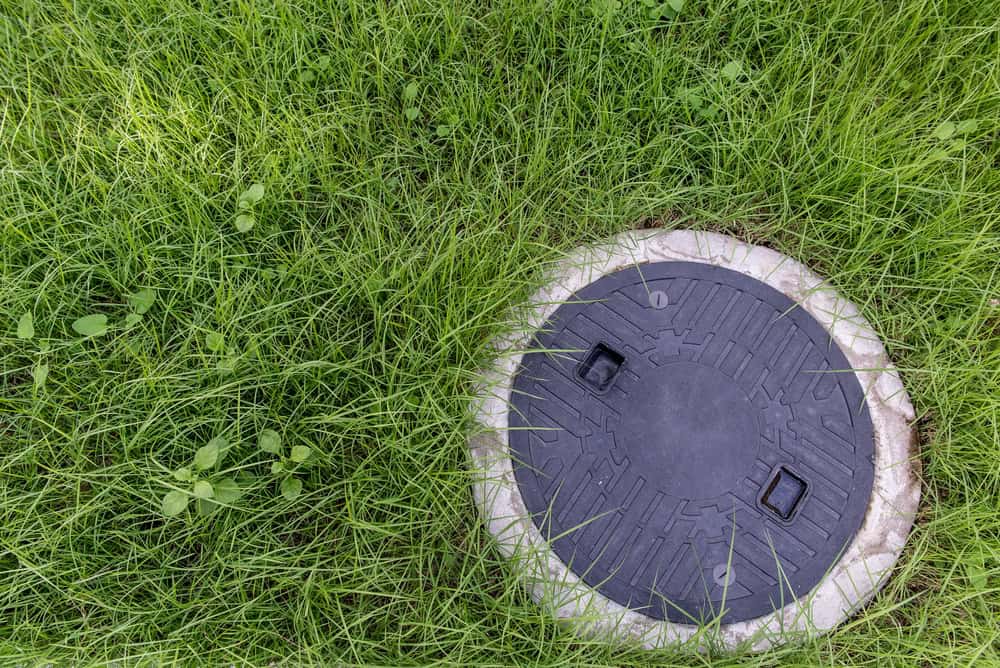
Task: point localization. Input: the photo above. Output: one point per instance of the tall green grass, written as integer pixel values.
(387, 250)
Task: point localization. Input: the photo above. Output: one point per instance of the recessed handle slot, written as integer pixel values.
(784, 493)
(600, 367)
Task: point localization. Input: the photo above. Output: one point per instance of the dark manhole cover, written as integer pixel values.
(690, 436)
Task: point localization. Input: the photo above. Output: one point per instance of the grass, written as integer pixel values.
(388, 247)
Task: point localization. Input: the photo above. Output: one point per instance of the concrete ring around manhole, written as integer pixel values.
(693, 440)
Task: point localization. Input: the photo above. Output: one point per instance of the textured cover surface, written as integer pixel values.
(693, 441)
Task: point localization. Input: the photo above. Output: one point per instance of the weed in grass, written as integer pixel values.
(657, 10)
(26, 326)
(410, 110)
(39, 374)
(142, 301)
(91, 325)
(209, 491)
(215, 342)
(247, 201)
(732, 70)
(285, 468)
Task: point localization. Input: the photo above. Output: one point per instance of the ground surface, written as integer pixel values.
(421, 164)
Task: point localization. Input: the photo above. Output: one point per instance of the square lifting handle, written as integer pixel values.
(600, 367)
(784, 493)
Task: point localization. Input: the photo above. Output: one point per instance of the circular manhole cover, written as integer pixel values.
(692, 429)
(660, 448)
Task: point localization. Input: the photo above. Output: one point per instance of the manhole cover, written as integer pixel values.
(689, 446)
(691, 429)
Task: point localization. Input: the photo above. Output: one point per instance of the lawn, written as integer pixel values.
(163, 316)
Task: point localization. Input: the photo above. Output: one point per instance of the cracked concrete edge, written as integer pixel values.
(866, 562)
